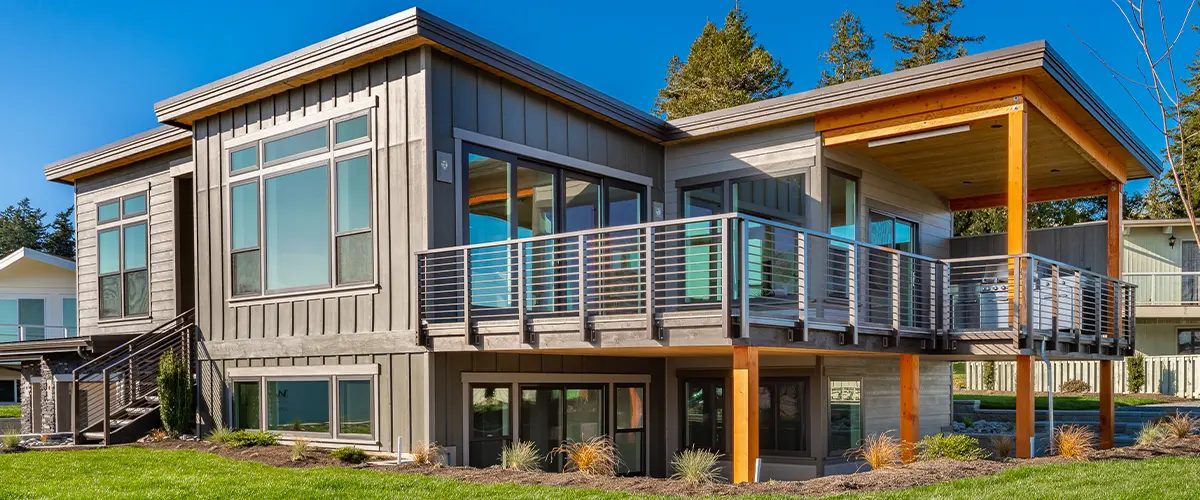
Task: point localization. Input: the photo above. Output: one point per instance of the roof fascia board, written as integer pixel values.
(45, 258)
(149, 143)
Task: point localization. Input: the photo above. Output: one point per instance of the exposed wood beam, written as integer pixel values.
(1025, 406)
(1107, 403)
(745, 412)
(1018, 181)
(1087, 145)
(910, 403)
(1116, 207)
(932, 120)
(1107, 410)
(1098, 188)
(912, 105)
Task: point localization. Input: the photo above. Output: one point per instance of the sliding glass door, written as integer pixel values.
(553, 415)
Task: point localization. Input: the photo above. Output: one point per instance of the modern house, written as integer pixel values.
(1162, 259)
(407, 233)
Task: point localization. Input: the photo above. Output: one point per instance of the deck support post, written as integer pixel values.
(910, 403)
(1107, 409)
(1025, 415)
(1107, 413)
(1018, 218)
(745, 412)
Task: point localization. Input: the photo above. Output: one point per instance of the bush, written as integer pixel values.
(427, 454)
(1153, 433)
(1181, 425)
(349, 454)
(11, 440)
(989, 375)
(696, 466)
(175, 393)
(243, 439)
(219, 435)
(1075, 385)
(523, 456)
(1003, 446)
(1073, 441)
(595, 456)
(1136, 368)
(880, 451)
(952, 446)
(968, 421)
(299, 450)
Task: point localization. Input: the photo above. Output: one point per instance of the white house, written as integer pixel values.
(37, 301)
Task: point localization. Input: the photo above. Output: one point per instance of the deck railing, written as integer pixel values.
(1166, 288)
(727, 267)
(21, 333)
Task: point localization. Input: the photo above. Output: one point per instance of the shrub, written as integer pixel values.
(219, 435)
(1135, 366)
(175, 393)
(1073, 441)
(952, 446)
(968, 421)
(243, 438)
(155, 436)
(1075, 385)
(1181, 425)
(880, 451)
(11, 440)
(595, 456)
(1003, 446)
(1153, 433)
(523, 456)
(349, 454)
(299, 450)
(989, 375)
(696, 466)
(427, 454)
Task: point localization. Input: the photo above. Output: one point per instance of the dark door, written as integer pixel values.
(1190, 264)
(185, 254)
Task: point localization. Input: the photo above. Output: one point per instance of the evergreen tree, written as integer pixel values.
(936, 42)
(724, 68)
(849, 56)
(21, 226)
(61, 240)
(1163, 200)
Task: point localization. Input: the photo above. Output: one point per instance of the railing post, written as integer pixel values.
(1077, 311)
(934, 320)
(726, 254)
(522, 327)
(895, 296)
(584, 329)
(744, 276)
(422, 299)
(1054, 306)
(1099, 300)
(75, 406)
(852, 292)
(468, 327)
(107, 404)
(1118, 316)
(652, 330)
(20, 333)
(1027, 301)
(1132, 323)
(801, 286)
(946, 316)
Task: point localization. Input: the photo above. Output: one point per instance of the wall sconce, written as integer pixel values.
(1171, 241)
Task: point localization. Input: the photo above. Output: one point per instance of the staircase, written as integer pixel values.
(116, 394)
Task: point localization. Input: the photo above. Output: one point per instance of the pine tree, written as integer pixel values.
(61, 240)
(21, 226)
(1163, 200)
(849, 55)
(724, 68)
(936, 42)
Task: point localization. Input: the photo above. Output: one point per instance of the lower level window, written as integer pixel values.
(782, 415)
(306, 405)
(245, 405)
(9, 392)
(298, 405)
(1189, 342)
(845, 415)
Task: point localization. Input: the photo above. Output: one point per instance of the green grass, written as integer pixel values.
(10, 411)
(1009, 401)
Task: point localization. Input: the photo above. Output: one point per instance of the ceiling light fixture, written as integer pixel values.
(919, 135)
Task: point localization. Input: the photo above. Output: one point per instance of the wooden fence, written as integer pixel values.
(1169, 375)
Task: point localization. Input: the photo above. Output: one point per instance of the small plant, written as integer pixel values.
(953, 446)
(880, 451)
(523, 456)
(1182, 425)
(11, 440)
(1075, 385)
(427, 453)
(1135, 366)
(175, 393)
(989, 375)
(596, 456)
(219, 435)
(696, 466)
(349, 454)
(1003, 446)
(968, 421)
(243, 438)
(156, 436)
(1073, 441)
(1153, 433)
(299, 450)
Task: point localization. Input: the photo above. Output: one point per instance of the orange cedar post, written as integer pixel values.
(1025, 415)
(1018, 218)
(910, 402)
(745, 412)
(1107, 407)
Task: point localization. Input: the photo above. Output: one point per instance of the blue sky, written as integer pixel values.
(82, 74)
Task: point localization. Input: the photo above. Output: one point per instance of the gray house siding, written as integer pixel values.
(1081, 245)
(152, 175)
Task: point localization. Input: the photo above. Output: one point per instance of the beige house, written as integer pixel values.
(1162, 259)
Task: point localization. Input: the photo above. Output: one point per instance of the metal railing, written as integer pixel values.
(107, 385)
(1166, 288)
(21, 333)
(1034, 295)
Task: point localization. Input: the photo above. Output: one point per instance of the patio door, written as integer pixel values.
(1190, 264)
(552, 415)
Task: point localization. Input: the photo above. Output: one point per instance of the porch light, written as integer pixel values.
(919, 135)
(1171, 241)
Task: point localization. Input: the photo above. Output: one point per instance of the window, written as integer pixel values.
(22, 319)
(10, 392)
(843, 205)
(893, 232)
(845, 415)
(491, 423)
(303, 221)
(123, 246)
(779, 198)
(782, 418)
(70, 318)
(1189, 342)
(630, 433)
(339, 407)
(704, 414)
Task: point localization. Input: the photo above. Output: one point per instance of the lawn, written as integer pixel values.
(1009, 401)
(140, 473)
(10, 411)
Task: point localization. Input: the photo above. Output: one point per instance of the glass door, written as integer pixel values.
(491, 423)
(553, 415)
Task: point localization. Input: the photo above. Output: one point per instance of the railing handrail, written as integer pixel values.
(171, 324)
(1039, 258)
(1161, 273)
(27, 325)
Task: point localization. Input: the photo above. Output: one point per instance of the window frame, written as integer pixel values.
(710, 383)
(727, 186)
(916, 226)
(643, 430)
(119, 225)
(805, 417)
(329, 156)
(333, 381)
(805, 383)
(1192, 333)
(862, 420)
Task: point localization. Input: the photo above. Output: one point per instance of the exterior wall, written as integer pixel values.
(152, 175)
(30, 279)
(1081, 245)
(881, 391)
(1147, 250)
(1160, 337)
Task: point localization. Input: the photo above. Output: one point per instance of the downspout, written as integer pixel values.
(1049, 395)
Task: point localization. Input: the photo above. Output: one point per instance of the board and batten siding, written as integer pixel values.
(466, 97)
(1081, 245)
(153, 176)
(398, 86)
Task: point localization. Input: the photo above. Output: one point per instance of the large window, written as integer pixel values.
(630, 433)
(782, 417)
(123, 246)
(339, 407)
(845, 415)
(1189, 341)
(298, 406)
(843, 205)
(894, 232)
(70, 318)
(22, 319)
(301, 209)
(779, 198)
(10, 391)
(704, 414)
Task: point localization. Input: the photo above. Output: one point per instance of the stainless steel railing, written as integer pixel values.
(1166, 288)
(21, 333)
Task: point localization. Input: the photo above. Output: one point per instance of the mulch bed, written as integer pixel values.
(1162, 398)
(902, 477)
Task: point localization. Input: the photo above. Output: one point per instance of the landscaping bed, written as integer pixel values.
(996, 400)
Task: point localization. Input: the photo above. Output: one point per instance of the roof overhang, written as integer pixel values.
(392, 35)
(162, 139)
(32, 349)
(45, 258)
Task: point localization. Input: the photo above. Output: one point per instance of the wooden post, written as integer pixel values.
(1107, 415)
(745, 412)
(910, 403)
(1025, 415)
(1107, 407)
(1018, 218)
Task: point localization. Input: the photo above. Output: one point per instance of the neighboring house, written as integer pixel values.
(407, 233)
(10, 384)
(1162, 259)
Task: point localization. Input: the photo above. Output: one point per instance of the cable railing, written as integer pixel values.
(1166, 288)
(24, 332)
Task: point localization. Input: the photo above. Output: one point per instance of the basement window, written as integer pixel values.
(334, 406)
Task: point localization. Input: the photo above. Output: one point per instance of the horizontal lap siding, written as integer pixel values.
(881, 391)
(154, 176)
(1082, 245)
